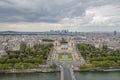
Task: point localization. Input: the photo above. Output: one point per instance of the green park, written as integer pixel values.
(65, 57)
(103, 57)
(26, 58)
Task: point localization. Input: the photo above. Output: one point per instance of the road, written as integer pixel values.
(67, 72)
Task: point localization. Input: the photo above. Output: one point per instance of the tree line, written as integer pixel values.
(99, 57)
(26, 57)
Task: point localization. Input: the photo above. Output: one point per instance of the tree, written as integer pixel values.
(23, 47)
(85, 66)
(53, 66)
(19, 66)
(2, 60)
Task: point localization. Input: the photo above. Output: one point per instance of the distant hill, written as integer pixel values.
(10, 32)
(54, 33)
(20, 33)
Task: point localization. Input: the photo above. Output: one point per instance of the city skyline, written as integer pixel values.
(72, 15)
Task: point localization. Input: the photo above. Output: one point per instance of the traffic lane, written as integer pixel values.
(67, 73)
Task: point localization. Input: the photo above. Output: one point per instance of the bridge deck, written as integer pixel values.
(67, 73)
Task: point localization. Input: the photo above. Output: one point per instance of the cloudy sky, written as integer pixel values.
(74, 15)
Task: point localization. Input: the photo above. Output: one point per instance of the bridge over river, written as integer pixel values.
(67, 72)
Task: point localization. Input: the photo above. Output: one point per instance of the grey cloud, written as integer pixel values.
(45, 10)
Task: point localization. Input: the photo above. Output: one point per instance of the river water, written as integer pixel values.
(56, 76)
(30, 76)
(97, 75)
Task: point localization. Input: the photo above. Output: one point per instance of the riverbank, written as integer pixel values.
(77, 69)
(100, 70)
(29, 70)
(47, 70)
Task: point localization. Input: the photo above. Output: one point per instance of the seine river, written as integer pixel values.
(97, 75)
(56, 76)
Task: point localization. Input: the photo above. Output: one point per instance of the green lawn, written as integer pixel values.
(65, 57)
